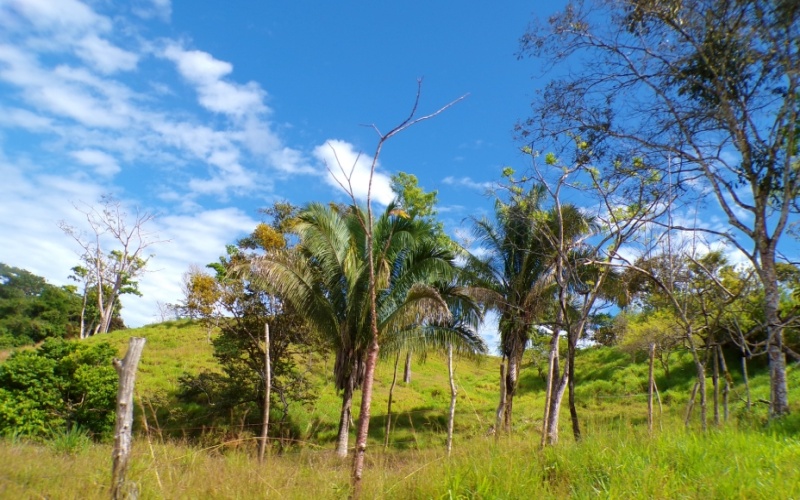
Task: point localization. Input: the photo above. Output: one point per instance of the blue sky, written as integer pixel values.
(203, 112)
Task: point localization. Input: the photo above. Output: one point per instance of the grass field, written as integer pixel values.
(746, 457)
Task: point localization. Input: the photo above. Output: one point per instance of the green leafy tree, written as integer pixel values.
(32, 310)
(240, 309)
(61, 385)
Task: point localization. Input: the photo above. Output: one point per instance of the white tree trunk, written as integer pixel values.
(453, 393)
(262, 445)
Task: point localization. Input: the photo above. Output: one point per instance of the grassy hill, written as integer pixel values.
(746, 458)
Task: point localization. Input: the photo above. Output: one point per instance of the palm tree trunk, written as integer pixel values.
(511, 388)
(344, 419)
(407, 368)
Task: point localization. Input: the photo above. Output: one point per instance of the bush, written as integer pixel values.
(57, 387)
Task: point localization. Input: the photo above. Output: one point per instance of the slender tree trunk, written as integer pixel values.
(690, 405)
(715, 383)
(501, 408)
(407, 368)
(552, 375)
(389, 406)
(262, 445)
(555, 404)
(344, 419)
(746, 379)
(363, 419)
(126, 369)
(453, 394)
(701, 377)
(650, 386)
(779, 394)
(84, 334)
(727, 388)
(573, 411)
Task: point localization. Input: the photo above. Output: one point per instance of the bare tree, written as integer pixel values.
(111, 272)
(126, 369)
(585, 248)
(367, 226)
(710, 84)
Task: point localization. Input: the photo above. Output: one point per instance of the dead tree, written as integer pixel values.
(122, 431)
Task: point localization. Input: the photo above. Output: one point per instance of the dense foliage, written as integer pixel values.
(59, 386)
(32, 310)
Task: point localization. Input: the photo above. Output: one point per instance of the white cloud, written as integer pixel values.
(467, 182)
(61, 15)
(104, 56)
(33, 205)
(347, 169)
(205, 72)
(104, 164)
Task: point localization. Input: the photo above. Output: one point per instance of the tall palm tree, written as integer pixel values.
(520, 272)
(326, 277)
(514, 273)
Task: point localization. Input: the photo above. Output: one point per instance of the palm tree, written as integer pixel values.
(514, 274)
(326, 277)
(521, 273)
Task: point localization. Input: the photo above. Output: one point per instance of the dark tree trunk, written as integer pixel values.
(501, 407)
(407, 369)
(573, 411)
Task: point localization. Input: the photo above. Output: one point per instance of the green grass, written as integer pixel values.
(747, 457)
(621, 463)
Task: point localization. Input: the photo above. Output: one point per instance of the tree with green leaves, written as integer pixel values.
(516, 278)
(326, 276)
(59, 386)
(32, 310)
(412, 199)
(239, 310)
(705, 91)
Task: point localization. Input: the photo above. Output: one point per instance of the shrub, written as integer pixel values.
(57, 387)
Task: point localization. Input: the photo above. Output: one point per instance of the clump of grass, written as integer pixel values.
(70, 441)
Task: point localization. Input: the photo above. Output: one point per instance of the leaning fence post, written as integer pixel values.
(122, 431)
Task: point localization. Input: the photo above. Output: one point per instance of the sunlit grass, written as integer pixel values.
(748, 457)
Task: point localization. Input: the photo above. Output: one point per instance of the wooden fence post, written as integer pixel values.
(122, 431)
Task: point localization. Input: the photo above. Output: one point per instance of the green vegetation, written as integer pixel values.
(60, 387)
(745, 458)
(32, 310)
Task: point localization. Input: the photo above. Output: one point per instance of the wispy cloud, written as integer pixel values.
(468, 182)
